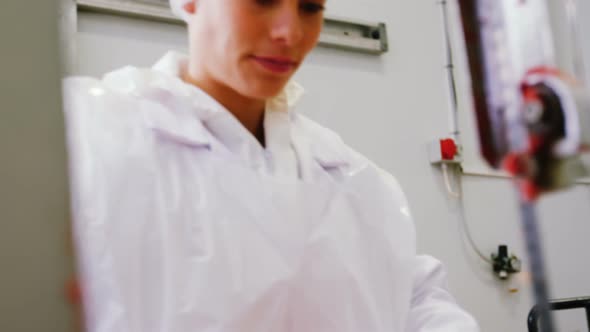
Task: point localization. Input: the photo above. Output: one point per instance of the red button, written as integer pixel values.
(448, 149)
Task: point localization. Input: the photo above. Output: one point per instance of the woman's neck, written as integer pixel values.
(250, 112)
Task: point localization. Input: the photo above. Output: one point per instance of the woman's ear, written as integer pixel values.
(190, 7)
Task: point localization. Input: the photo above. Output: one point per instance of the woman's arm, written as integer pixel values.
(433, 308)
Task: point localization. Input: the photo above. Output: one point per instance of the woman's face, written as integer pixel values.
(252, 47)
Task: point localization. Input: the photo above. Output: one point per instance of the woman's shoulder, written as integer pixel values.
(114, 105)
(86, 96)
(98, 114)
(105, 124)
(121, 85)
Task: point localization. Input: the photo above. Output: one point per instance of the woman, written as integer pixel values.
(204, 202)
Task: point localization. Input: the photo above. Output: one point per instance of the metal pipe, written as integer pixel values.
(450, 68)
(533, 245)
(561, 304)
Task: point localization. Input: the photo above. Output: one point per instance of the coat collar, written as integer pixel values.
(177, 121)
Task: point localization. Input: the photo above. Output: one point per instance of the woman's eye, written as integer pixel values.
(311, 7)
(266, 2)
(308, 7)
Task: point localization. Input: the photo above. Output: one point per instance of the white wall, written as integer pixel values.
(388, 108)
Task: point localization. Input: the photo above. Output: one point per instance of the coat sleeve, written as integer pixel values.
(433, 308)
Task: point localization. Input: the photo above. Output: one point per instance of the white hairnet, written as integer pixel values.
(178, 8)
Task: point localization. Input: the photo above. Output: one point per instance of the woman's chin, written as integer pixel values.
(264, 91)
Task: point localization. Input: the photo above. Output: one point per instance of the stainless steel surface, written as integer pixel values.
(33, 192)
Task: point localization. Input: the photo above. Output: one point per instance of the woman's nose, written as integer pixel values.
(287, 26)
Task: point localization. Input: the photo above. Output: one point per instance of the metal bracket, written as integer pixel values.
(345, 34)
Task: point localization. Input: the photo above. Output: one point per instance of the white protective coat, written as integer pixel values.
(184, 222)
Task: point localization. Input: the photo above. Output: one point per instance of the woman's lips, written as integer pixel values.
(276, 65)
